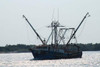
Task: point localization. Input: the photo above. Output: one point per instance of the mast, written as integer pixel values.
(77, 28)
(54, 25)
(34, 30)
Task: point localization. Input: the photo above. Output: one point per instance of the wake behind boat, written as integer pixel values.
(58, 48)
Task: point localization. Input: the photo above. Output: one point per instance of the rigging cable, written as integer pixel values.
(27, 34)
(82, 28)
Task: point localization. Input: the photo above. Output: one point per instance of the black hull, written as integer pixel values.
(45, 54)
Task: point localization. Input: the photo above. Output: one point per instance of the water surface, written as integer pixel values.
(89, 59)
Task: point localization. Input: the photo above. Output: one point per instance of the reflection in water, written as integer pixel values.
(89, 59)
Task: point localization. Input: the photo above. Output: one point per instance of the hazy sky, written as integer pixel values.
(15, 30)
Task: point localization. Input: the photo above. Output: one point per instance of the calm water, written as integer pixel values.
(89, 59)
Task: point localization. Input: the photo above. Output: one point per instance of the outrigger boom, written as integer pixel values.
(77, 28)
(34, 30)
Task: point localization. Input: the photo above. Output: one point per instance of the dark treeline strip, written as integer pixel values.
(25, 48)
(90, 47)
(16, 48)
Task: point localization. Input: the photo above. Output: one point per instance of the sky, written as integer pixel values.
(15, 30)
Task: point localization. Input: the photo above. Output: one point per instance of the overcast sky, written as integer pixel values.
(15, 30)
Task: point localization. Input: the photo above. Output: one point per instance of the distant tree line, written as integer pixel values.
(25, 48)
(16, 48)
(90, 47)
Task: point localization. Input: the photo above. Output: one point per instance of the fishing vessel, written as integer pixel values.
(58, 48)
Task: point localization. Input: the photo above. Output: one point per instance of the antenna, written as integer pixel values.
(53, 15)
(58, 15)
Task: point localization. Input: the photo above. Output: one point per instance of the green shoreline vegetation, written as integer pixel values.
(25, 48)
